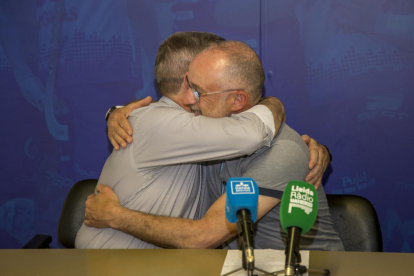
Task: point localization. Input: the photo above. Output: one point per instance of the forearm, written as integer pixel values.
(194, 139)
(168, 232)
(277, 109)
(103, 210)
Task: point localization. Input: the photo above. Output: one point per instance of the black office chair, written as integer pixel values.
(354, 219)
(71, 217)
(356, 222)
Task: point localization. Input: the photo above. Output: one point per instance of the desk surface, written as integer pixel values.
(45, 262)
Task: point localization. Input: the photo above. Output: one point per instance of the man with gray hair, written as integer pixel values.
(158, 173)
(234, 91)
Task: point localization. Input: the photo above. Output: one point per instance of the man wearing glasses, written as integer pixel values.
(158, 173)
(215, 70)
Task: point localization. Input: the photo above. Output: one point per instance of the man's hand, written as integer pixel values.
(319, 161)
(102, 209)
(119, 129)
(277, 108)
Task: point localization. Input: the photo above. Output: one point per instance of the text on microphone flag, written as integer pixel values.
(242, 187)
(299, 206)
(301, 198)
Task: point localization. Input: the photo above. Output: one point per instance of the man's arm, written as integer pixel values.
(277, 109)
(271, 169)
(103, 210)
(166, 135)
(120, 131)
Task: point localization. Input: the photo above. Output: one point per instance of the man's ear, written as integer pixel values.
(185, 80)
(240, 101)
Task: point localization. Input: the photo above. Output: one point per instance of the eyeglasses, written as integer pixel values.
(198, 94)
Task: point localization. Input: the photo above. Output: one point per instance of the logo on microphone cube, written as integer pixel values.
(242, 187)
(301, 198)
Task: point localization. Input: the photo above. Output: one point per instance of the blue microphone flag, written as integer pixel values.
(242, 193)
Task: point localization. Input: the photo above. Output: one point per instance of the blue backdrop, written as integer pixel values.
(344, 70)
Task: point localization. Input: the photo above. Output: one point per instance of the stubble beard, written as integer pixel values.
(196, 111)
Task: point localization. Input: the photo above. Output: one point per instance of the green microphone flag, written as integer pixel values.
(299, 206)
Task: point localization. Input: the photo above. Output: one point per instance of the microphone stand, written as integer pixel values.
(245, 230)
(293, 258)
(299, 270)
(292, 250)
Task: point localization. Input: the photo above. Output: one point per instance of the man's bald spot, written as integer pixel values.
(213, 61)
(243, 67)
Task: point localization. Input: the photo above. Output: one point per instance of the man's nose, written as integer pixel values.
(189, 98)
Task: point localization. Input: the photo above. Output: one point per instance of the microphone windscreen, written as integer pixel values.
(299, 206)
(241, 193)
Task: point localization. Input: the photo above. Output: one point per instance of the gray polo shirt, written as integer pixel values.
(272, 168)
(158, 173)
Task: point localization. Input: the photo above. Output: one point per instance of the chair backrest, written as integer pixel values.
(73, 211)
(356, 222)
(354, 218)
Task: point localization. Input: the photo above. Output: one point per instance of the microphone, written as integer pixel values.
(298, 212)
(241, 207)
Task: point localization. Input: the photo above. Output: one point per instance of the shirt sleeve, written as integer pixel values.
(265, 115)
(166, 136)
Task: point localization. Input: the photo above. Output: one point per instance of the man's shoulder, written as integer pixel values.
(156, 112)
(287, 147)
(156, 107)
(287, 133)
(283, 154)
(287, 158)
(288, 139)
